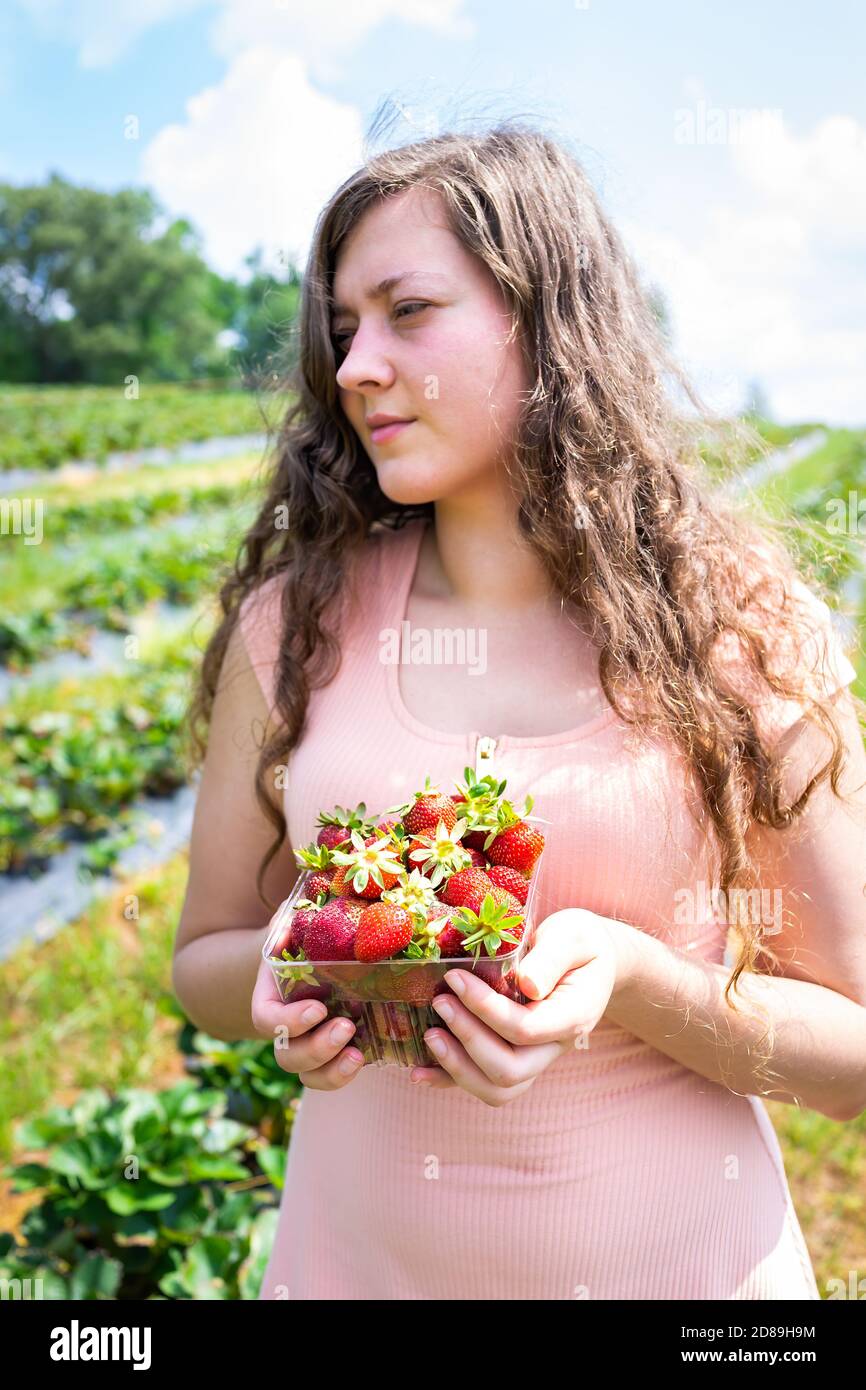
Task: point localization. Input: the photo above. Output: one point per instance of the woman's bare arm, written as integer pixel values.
(217, 949)
(816, 1004)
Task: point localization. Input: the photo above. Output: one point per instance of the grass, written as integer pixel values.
(826, 1166)
(148, 479)
(93, 1005)
(842, 454)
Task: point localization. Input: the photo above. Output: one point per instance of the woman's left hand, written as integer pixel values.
(495, 1048)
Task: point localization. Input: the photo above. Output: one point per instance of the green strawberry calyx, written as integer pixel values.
(313, 856)
(488, 927)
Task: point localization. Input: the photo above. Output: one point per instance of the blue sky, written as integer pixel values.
(728, 142)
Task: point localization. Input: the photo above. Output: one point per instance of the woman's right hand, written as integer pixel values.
(303, 1045)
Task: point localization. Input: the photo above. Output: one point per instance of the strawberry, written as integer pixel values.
(338, 885)
(512, 880)
(353, 907)
(319, 882)
(338, 824)
(466, 888)
(518, 847)
(450, 942)
(371, 865)
(479, 858)
(494, 926)
(297, 931)
(384, 929)
(501, 896)
(430, 808)
(331, 934)
(301, 992)
(332, 835)
(412, 986)
(475, 839)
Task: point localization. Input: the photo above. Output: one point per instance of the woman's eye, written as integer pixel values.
(412, 307)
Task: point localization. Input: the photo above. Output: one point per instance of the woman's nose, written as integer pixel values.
(365, 364)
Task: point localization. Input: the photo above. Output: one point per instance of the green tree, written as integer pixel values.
(265, 319)
(92, 290)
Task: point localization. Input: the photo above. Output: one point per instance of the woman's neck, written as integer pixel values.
(476, 556)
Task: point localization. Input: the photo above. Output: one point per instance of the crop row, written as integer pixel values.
(43, 427)
(67, 772)
(114, 585)
(83, 518)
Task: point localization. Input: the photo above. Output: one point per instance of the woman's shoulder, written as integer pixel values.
(372, 569)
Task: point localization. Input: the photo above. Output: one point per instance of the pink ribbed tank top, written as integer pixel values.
(620, 1173)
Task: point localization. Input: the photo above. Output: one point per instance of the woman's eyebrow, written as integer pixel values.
(385, 286)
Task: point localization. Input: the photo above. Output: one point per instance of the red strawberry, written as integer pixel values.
(467, 888)
(479, 858)
(354, 907)
(384, 929)
(332, 835)
(450, 942)
(303, 991)
(300, 921)
(506, 947)
(510, 879)
(339, 886)
(291, 938)
(319, 882)
(429, 809)
(474, 839)
(502, 895)
(518, 847)
(331, 934)
(412, 986)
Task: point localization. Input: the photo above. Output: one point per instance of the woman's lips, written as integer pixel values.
(382, 433)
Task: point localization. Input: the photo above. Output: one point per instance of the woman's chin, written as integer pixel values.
(407, 487)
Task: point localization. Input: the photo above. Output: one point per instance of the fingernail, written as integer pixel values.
(313, 1013)
(443, 1008)
(435, 1043)
(420, 1081)
(349, 1062)
(341, 1030)
(457, 982)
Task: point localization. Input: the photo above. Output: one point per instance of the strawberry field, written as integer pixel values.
(102, 622)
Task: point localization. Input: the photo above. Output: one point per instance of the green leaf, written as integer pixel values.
(95, 1277)
(262, 1234)
(272, 1161)
(137, 1195)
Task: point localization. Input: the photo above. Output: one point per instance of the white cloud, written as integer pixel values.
(773, 287)
(257, 157)
(318, 30)
(323, 30)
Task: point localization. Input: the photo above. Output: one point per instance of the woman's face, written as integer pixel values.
(430, 349)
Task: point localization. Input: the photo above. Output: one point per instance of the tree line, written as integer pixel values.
(95, 285)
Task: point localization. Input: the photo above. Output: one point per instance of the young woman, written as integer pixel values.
(656, 674)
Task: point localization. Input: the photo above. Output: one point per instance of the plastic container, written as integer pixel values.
(389, 1001)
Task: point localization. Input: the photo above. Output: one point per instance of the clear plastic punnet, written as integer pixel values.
(389, 1000)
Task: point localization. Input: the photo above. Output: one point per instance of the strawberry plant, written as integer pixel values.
(144, 1195)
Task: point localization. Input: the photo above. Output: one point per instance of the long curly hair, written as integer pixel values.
(631, 525)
